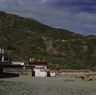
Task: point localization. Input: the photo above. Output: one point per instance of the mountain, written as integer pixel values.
(25, 38)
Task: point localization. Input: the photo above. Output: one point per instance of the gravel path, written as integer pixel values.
(47, 86)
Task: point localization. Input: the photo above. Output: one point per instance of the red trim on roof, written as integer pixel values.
(38, 63)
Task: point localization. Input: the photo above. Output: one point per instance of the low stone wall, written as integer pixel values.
(73, 73)
(27, 73)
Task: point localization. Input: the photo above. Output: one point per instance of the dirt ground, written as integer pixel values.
(46, 86)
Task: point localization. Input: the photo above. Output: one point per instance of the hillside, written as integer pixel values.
(25, 38)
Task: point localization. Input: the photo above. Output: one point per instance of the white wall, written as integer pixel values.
(18, 63)
(52, 74)
(39, 73)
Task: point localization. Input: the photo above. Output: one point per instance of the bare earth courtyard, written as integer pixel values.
(47, 86)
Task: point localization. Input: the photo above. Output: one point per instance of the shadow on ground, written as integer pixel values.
(8, 75)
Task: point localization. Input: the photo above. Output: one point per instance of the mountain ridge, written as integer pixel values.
(25, 38)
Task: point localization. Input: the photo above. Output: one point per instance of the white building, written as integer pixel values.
(40, 69)
(17, 63)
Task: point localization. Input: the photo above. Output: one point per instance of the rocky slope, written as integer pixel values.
(25, 38)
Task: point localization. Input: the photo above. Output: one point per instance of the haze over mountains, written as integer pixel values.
(25, 38)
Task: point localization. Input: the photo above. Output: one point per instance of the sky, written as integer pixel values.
(76, 15)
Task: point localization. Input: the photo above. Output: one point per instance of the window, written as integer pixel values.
(0, 58)
(6, 59)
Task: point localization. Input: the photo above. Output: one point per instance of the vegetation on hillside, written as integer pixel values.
(25, 38)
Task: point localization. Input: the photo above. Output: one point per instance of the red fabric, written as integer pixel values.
(38, 63)
(48, 73)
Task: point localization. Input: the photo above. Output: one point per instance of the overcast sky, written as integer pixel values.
(75, 15)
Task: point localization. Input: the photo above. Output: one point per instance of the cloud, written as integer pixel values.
(75, 15)
(44, 1)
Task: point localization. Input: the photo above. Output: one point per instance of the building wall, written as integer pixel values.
(39, 73)
(52, 74)
(18, 63)
(41, 66)
(43, 73)
(5, 59)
